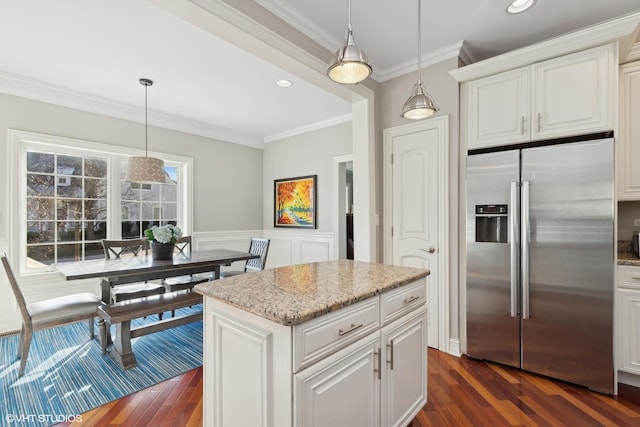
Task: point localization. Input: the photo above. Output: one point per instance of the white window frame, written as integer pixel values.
(18, 144)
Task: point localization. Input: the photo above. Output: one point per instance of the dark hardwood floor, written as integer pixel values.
(461, 392)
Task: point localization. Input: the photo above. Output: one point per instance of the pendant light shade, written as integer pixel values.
(349, 64)
(420, 104)
(145, 170)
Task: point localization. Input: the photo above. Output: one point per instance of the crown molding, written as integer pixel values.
(619, 29)
(38, 90)
(447, 52)
(633, 55)
(265, 43)
(309, 128)
(301, 23)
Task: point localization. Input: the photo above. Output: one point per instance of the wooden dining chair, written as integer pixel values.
(183, 283)
(134, 247)
(51, 313)
(172, 284)
(258, 246)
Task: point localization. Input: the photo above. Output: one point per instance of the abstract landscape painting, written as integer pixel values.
(295, 202)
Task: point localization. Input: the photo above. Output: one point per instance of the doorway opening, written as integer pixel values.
(343, 204)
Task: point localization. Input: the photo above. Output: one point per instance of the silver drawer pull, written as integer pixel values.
(411, 299)
(635, 277)
(352, 328)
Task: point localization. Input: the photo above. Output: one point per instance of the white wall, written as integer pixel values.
(311, 153)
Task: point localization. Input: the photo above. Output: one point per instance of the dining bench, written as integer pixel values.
(120, 314)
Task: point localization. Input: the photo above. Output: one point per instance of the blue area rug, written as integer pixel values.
(67, 375)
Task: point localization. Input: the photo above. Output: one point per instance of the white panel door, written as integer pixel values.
(415, 212)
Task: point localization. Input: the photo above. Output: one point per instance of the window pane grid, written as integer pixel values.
(62, 221)
(146, 205)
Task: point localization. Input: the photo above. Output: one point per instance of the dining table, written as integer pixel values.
(129, 268)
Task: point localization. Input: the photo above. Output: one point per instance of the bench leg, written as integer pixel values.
(121, 350)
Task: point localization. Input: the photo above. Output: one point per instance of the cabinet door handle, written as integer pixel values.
(635, 277)
(390, 361)
(351, 328)
(539, 122)
(379, 370)
(411, 299)
(523, 125)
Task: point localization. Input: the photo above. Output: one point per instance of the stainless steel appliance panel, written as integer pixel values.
(493, 329)
(567, 325)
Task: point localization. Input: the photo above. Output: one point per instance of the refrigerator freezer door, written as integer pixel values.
(569, 332)
(492, 221)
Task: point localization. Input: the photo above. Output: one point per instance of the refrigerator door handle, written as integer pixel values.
(513, 250)
(525, 249)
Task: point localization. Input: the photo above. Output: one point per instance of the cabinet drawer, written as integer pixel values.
(317, 338)
(395, 303)
(629, 277)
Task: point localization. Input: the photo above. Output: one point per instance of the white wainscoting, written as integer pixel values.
(286, 248)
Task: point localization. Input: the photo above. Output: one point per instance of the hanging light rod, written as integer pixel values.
(349, 64)
(145, 170)
(420, 104)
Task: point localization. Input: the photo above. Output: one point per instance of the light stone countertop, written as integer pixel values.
(626, 256)
(294, 294)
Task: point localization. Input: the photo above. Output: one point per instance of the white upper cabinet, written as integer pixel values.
(499, 109)
(574, 94)
(570, 95)
(628, 139)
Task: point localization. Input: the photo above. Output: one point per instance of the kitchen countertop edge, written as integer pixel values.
(248, 292)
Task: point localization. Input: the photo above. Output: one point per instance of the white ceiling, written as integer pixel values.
(90, 54)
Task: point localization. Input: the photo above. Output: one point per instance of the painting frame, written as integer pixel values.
(290, 211)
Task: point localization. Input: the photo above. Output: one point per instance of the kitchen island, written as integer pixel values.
(337, 343)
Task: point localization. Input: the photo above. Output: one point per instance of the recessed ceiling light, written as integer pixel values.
(519, 6)
(284, 83)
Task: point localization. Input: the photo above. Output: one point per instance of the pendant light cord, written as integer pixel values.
(419, 42)
(146, 123)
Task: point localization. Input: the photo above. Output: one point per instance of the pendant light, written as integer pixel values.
(349, 64)
(145, 170)
(420, 104)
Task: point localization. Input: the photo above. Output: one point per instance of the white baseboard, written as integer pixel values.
(629, 379)
(454, 347)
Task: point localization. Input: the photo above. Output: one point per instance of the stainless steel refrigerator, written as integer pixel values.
(540, 259)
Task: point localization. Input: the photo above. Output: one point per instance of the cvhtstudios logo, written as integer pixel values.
(42, 418)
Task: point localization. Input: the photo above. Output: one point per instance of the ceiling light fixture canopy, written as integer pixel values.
(420, 104)
(145, 170)
(349, 64)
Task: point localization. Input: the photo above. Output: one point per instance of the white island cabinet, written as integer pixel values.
(338, 343)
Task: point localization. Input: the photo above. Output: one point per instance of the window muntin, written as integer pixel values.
(66, 206)
(146, 205)
(38, 197)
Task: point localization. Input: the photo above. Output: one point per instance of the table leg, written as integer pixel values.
(121, 350)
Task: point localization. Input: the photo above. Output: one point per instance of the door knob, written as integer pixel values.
(431, 249)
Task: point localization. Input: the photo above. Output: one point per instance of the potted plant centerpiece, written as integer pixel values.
(163, 240)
